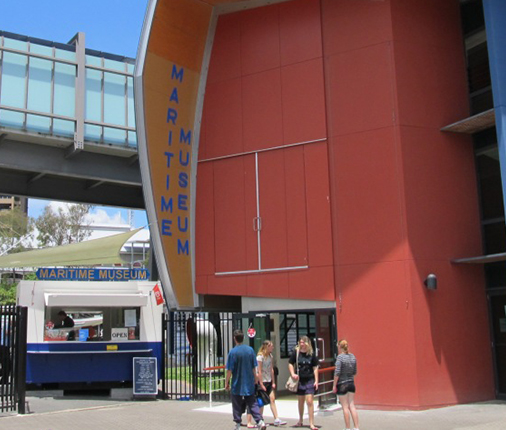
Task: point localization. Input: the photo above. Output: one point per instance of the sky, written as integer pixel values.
(112, 26)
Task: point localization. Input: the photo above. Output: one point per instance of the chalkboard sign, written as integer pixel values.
(145, 376)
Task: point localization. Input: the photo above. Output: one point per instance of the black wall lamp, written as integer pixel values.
(431, 282)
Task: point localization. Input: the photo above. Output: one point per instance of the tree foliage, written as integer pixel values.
(7, 293)
(69, 225)
(15, 230)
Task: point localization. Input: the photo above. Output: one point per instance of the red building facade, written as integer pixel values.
(324, 175)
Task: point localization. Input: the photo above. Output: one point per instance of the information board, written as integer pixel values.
(145, 376)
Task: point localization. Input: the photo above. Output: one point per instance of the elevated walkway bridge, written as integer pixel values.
(67, 123)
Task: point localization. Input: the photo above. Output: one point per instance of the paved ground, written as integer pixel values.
(56, 412)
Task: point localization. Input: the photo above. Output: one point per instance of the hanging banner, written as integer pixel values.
(158, 295)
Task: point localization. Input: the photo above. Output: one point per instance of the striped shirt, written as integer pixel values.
(346, 368)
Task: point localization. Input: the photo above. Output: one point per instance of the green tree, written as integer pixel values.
(7, 293)
(69, 225)
(15, 231)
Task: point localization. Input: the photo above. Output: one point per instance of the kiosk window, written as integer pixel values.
(92, 324)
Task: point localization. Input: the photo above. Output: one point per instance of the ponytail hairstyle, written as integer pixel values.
(343, 344)
(263, 349)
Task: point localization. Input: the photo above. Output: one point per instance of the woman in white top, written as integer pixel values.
(266, 371)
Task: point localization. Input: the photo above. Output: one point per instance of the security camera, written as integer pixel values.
(431, 282)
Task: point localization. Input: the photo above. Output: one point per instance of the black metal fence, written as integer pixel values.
(13, 358)
(196, 345)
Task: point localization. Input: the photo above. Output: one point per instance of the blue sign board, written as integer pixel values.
(82, 274)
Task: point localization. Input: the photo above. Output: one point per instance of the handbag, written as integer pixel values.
(292, 385)
(263, 398)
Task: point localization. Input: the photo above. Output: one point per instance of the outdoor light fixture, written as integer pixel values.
(431, 282)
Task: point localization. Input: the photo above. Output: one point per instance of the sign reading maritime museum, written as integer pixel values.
(85, 274)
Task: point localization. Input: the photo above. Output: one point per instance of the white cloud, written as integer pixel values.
(57, 205)
(98, 216)
(101, 217)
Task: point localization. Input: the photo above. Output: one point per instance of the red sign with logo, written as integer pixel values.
(251, 332)
(158, 295)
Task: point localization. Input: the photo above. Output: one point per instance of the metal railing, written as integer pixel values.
(196, 347)
(13, 323)
(211, 371)
(326, 399)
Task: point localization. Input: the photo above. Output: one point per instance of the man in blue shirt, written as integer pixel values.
(242, 365)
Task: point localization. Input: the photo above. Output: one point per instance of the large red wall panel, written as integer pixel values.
(361, 90)
(352, 25)
(262, 108)
(225, 61)
(296, 213)
(204, 224)
(265, 91)
(259, 40)
(375, 316)
(318, 205)
(369, 218)
(303, 101)
(379, 201)
(448, 326)
(300, 31)
(273, 210)
(404, 199)
(234, 236)
(224, 126)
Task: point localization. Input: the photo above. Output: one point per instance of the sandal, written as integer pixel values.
(299, 424)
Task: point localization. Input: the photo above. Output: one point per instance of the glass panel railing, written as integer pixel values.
(114, 65)
(114, 136)
(15, 44)
(64, 89)
(94, 61)
(93, 99)
(39, 85)
(40, 124)
(11, 119)
(92, 133)
(130, 106)
(64, 54)
(114, 99)
(13, 89)
(63, 128)
(132, 138)
(130, 68)
(41, 50)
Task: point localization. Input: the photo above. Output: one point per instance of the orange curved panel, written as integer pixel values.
(170, 77)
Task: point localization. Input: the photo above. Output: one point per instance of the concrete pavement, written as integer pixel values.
(60, 413)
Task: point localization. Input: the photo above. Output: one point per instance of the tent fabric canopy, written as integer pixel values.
(105, 250)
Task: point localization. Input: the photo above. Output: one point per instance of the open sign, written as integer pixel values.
(119, 334)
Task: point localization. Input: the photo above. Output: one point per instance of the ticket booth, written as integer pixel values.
(105, 325)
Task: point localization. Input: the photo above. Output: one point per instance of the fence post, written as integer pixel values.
(21, 328)
(195, 376)
(210, 388)
(165, 356)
